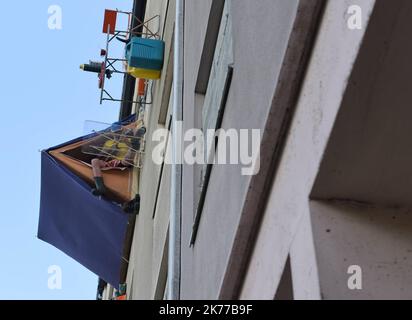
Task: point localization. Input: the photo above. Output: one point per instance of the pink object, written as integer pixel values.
(102, 76)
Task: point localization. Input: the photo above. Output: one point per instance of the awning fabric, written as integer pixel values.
(89, 229)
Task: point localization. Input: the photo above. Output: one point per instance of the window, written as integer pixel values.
(216, 76)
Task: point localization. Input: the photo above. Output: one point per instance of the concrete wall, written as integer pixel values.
(147, 259)
(362, 216)
(285, 226)
(368, 157)
(257, 59)
(313, 240)
(377, 239)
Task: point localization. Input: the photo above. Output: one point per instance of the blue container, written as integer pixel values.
(145, 53)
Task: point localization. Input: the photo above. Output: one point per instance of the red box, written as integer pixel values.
(141, 87)
(110, 18)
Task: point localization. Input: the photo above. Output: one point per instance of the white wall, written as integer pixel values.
(149, 241)
(335, 51)
(377, 239)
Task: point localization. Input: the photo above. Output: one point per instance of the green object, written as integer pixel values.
(122, 289)
(145, 53)
(100, 188)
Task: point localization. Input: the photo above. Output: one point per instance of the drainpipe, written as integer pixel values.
(174, 252)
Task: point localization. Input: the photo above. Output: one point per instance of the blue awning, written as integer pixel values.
(89, 229)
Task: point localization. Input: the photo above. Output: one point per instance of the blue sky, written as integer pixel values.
(45, 100)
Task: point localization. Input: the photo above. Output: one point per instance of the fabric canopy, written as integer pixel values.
(89, 229)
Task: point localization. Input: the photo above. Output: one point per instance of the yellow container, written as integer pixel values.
(143, 73)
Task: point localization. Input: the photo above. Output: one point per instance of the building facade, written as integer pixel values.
(326, 213)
